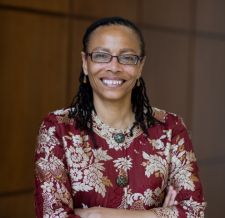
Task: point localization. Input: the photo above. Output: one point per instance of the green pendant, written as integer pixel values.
(121, 181)
(119, 137)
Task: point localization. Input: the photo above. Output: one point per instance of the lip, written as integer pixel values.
(112, 81)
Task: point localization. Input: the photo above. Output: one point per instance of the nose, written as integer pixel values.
(114, 66)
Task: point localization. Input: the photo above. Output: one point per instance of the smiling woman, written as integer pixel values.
(111, 154)
(109, 78)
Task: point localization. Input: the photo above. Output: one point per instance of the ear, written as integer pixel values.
(84, 62)
(141, 65)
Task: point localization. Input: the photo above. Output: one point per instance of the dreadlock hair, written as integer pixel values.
(82, 104)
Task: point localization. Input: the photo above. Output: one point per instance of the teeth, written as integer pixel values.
(112, 82)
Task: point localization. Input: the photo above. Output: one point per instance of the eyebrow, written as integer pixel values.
(102, 48)
(126, 50)
(123, 50)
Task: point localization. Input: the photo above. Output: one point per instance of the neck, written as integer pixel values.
(117, 114)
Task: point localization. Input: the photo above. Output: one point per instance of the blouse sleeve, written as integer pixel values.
(183, 176)
(52, 186)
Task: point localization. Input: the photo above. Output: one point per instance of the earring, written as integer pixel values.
(138, 82)
(85, 79)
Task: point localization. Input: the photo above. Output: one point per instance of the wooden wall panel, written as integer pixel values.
(209, 96)
(173, 13)
(101, 8)
(211, 16)
(33, 82)
(18, 206)
(208, 102)
(56, 6)
(79, 27)
(165, 71)
(208, 121)
(213, 180)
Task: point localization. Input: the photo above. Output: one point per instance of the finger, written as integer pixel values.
(172, 198)
(77, 211)
(168, 196)
(80, 212)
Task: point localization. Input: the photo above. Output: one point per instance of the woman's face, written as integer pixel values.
(113, 81)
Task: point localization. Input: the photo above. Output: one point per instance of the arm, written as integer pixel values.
(183, 177)
(101, 212)
(52, 186)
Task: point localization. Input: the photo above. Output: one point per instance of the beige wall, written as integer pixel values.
(40, 44)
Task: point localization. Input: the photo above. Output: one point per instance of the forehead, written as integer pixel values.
(114, 36)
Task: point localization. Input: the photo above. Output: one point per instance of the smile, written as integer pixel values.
(112, 82)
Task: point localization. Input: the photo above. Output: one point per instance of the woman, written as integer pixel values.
(111, 154)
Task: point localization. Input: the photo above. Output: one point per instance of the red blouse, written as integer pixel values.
(70, 173)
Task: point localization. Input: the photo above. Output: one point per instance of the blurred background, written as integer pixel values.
(40, 45)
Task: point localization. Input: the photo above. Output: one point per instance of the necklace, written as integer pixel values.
(111, 135)
(119, 137)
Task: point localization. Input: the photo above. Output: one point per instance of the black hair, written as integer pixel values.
(83, 105)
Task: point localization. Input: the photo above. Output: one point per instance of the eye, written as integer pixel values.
(100, 55)
(129, 58)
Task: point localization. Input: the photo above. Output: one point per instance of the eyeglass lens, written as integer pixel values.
(101, 57)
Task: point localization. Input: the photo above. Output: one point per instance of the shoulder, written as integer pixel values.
(170, 119)
(59, 120)
(173, 124)
(60, 112)
(58, 116)
(163, 115)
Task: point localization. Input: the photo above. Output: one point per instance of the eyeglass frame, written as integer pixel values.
(112, 56)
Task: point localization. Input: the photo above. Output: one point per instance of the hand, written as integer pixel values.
(170, 197)
(102, 212)
(92, 212)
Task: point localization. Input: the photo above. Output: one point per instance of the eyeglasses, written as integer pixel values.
(101, 57)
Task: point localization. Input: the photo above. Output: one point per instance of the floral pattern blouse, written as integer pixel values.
(70, 173)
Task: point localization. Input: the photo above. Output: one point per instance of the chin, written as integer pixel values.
(114, 97)
(109, 95)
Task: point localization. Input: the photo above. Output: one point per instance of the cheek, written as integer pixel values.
(93, 73)
(94, 69)
(132, 72)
